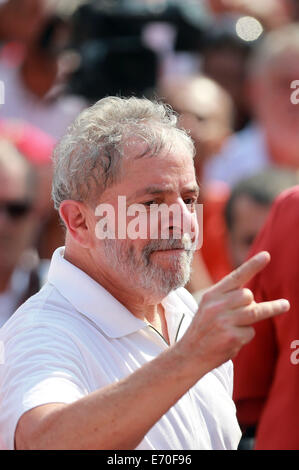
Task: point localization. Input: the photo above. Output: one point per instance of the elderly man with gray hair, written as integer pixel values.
(113, 352)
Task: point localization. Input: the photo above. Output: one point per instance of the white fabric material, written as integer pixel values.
(73, 337)
(244, 154)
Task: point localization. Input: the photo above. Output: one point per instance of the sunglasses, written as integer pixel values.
(15, 209)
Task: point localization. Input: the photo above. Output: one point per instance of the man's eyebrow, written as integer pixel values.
(164, 189)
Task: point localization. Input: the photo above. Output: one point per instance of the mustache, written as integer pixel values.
(170, 244)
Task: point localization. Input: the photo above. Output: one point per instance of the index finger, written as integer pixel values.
(243, 273)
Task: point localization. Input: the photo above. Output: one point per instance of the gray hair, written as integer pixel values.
(274, 45)
(93, 146)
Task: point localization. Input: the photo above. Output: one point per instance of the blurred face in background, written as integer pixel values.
(248, 217)
(273, 108)
(17, 220)
(227, 66)
(206, 112)
(207, 117)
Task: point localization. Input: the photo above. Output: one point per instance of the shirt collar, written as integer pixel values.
(93, 301)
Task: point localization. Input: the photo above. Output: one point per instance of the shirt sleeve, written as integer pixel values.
(34, 373)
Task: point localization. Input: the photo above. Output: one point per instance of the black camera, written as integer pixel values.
(114, 60)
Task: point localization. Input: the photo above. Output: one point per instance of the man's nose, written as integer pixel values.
(183, 220)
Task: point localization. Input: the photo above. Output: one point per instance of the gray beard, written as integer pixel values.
(142, 273)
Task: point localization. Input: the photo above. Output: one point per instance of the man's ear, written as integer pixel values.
(74, 215)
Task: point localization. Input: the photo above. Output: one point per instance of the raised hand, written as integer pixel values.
(226, 312)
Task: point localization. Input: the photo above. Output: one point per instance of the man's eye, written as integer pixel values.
(149, 203)
(189, 201)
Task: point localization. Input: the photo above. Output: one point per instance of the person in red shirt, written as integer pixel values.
(266, 385)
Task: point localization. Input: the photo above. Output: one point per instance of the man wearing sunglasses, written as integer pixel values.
(18, 224)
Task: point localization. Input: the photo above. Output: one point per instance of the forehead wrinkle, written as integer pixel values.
(155, 189)
(158, 189)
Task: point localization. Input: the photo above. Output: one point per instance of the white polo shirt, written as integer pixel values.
(73, 338)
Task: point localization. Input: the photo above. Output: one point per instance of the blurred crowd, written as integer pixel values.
(227, 68)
